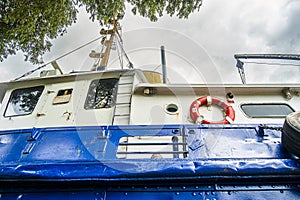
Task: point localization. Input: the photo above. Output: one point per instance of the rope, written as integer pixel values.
(58, 58)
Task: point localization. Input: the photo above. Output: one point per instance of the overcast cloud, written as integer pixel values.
(199, 49)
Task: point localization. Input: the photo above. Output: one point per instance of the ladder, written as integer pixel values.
(123, 102)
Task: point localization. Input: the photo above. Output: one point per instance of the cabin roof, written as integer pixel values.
(69, 77)
(60, 78)
(157, 88)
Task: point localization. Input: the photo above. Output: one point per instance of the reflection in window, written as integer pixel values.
(23, 101)
(102, 94)
(267, 110)
(63, 96)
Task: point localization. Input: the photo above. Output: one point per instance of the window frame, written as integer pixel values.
(117, 79)
(265, 116)
(61, 98)
(42, 88)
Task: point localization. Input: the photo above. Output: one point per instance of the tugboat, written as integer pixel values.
(129, 134)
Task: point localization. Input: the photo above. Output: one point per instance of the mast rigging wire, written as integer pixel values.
(130, 65)
(58, 58)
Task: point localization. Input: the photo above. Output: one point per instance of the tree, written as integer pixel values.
(29, 26)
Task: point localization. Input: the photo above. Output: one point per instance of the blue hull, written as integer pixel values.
(81, 163)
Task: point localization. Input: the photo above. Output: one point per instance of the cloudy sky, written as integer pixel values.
(198, 50)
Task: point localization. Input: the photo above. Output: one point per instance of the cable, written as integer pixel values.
(119, 51)
(60, 57)
(120, 56)
(156, 67)
(130, 65)
(121, 42)
(97, 61)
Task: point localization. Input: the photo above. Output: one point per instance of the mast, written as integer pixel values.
(108, 43)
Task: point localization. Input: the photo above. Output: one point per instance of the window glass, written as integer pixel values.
(63, 96)
(23, 101)
(102, 94)
(267, 110)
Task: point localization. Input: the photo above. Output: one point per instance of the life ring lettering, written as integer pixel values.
(208, 100)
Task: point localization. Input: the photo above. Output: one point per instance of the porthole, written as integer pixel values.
(171, 109)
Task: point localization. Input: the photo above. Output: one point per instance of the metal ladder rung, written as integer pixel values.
(123, 115)
(125, 83)
(126, 75)
(124, 93)
(117, 104)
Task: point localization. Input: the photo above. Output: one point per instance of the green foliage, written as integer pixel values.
(29, 26)
(155, 8)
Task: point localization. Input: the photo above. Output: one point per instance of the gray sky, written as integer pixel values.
(199, 49)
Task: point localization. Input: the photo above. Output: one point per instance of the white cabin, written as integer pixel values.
(127, 97)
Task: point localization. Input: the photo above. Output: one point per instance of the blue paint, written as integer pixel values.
(232, 155)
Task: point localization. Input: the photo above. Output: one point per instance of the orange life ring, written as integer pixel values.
(207, 100)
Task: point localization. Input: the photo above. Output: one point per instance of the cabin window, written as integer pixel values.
(102, 94)
(63, 96)
(267, 110)
(23, 101)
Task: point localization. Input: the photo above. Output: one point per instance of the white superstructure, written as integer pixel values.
(129, 99)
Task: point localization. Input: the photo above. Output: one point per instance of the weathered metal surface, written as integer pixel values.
(223, 162)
